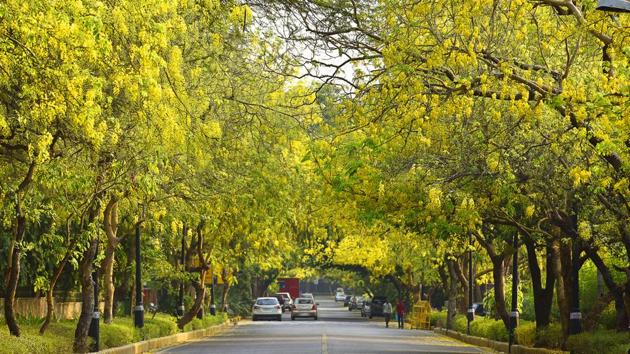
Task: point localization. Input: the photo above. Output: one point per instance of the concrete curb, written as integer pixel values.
(495, 345)
(162, 342)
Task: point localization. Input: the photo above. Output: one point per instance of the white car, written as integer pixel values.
(304, 307)
(341, 296)
(267, 307)
(308, 295)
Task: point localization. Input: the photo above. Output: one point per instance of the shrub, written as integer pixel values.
(549, 337)
(526, 333)
(117, 333)
(438, 319)
(594, 342)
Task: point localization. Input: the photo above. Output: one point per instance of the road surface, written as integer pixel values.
(336, 331)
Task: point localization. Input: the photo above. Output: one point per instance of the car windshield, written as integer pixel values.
(304, 301)
(273, 301)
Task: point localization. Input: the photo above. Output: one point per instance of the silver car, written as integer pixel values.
(304, 307)
(267, 307)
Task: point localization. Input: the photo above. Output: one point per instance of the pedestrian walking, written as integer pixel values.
(387, 312)
(400, 314)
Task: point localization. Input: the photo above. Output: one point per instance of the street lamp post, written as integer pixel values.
(94, 330)
(139, 309)
(471, 310)
(575, 316)
(180, 308)
(514, 312)
(213, 308)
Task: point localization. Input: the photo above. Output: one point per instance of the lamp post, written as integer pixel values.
(180, 307)
(613, 5)
(213, 308)
(575, 316)
(139, 309)
(94, 330)
(514, 312)
(471, 310)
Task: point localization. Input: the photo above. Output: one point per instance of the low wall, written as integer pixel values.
(158, 343)
(498, 346)
(36, 307)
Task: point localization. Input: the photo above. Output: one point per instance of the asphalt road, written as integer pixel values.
(337, 331)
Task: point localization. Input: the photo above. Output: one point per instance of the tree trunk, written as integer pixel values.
(498, 276)
(50, 309)
(615, 291)
(459, 270)
(200, 292)
(13, 261)
(224, 296)
(543, 297)
(110, 225)
(87, 297)
(451, 309)
(563, 303)
(13, 273)
(108, 283)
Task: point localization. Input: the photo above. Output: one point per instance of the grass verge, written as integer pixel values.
(60, 334)
(551, 337)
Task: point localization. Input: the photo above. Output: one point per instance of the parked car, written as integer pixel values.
(479, 309)
(267, 307)
(285, 300)
(356, 303)
(346, 300)
(340, 296)
(376, 306)
(304, 307)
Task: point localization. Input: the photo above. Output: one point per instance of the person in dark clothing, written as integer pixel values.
(400, 312)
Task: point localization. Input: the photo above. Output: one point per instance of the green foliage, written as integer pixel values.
(549, 337)
(58, 338)
(526, 333)
(595, 342)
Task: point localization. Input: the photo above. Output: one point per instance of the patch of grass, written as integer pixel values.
(597, 342)
(60, 334)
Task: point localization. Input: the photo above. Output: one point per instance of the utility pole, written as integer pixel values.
(94, 330)
(180, 308)
(139, 309)
(471, 310)
(514, 313)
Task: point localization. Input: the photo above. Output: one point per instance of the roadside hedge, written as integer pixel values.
(58, 338)
(608, 341)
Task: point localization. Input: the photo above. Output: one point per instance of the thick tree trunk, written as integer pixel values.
(110, 225)
(498, 276)
(561, 295)
(50, 309)
(87, 297)
(459, 269)
(200, 292)
(108, 283)
(451, 309)
(543, 297)
(13, 273)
